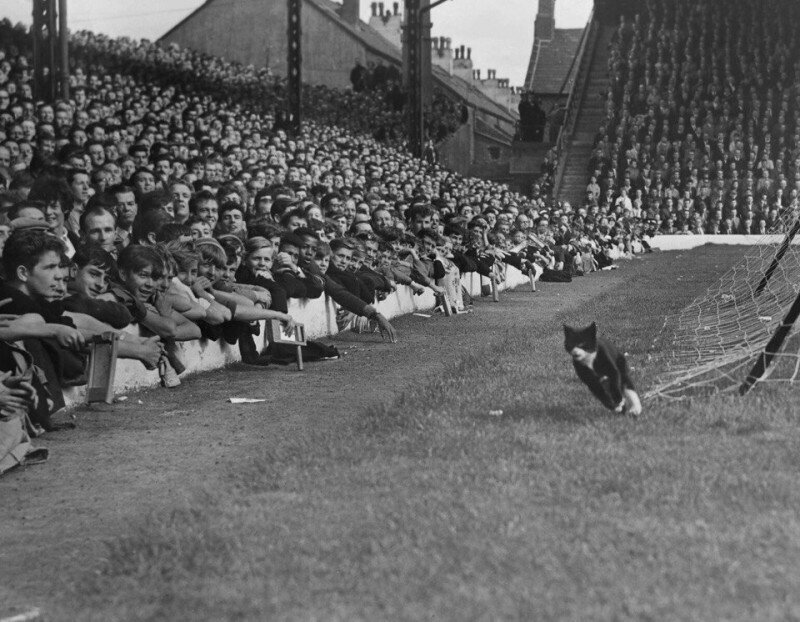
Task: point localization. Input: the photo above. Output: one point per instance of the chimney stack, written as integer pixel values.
(545, 23)
(350, 11)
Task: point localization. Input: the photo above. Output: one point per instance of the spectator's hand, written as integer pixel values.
(201, 286)
(418, 289)
(283, 261)
(68, 337)
(263, 297)
(387, 330)
(163, 305)
(12, 399)
(436, 289)
(153, 350)
(20, 386)
(288, 323)
(7, 319)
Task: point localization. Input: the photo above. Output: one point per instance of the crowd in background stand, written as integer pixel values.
(168, 193)
(442, 117)
(701, 131)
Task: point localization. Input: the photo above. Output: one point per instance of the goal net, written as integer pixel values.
(741, 324)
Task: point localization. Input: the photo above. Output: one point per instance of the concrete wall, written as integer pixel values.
(685, 242)
(455, 151)
(318, 316)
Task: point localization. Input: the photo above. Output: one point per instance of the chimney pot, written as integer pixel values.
(457, 54)
(396, 7)
(380, 6)
(350, 11)
(462, 52)
(374, 7)
(469, 52)
(449, 43)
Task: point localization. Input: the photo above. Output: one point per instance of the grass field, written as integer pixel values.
(426, 506)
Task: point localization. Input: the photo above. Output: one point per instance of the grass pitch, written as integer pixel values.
(430, 507)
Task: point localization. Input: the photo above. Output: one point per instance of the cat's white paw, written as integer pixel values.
(634, 404)
(620, 407)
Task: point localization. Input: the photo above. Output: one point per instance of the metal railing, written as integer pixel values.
(584, 59)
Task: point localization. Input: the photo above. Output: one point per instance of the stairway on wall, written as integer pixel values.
(589, 116)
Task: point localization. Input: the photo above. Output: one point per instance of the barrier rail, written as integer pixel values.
(585, 54)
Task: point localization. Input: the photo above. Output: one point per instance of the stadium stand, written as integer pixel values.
(167, 209)
(699, 130)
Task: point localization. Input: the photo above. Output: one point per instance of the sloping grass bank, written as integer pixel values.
(430, 507)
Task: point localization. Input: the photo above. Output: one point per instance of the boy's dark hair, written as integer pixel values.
(93, 254)
(156, 199)
(418, 210)
(136, 257)
(302, 232)
(149, 222)
(47, 189)
(428, 233)
(455, 229)
(341, 243)
(262, 228)
(292, 213)
(229, 206)
(25, 247)
(323, 250)
(290, 239)
(172, 231)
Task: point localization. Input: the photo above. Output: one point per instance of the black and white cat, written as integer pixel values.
(602, 368)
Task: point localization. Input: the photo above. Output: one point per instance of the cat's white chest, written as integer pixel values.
(584, 357)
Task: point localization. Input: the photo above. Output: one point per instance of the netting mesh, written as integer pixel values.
(711, 345)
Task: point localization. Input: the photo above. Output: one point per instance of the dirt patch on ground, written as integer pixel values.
(159, 447)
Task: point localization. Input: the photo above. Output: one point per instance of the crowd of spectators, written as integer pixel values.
(701, 131)
(166, 193)
(442, 117)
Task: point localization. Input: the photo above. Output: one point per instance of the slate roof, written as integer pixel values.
(554, 61)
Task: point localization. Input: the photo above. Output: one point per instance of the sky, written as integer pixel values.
(500, 32)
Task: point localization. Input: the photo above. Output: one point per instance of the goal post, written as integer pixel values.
(778, 256)
(740, 331)
(772, 348)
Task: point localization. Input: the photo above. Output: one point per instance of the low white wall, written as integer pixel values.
(685, 242)
(317, 314)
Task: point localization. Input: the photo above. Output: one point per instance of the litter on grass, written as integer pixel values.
(422, 314)
(32, 614)
(495, 413)
(245, 400)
